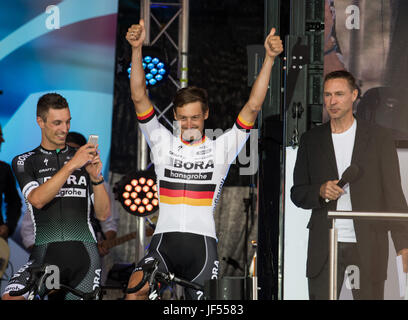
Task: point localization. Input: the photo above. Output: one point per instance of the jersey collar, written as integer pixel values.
(46, 151)
(194, 142)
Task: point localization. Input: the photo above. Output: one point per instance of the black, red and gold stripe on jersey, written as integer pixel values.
(195, 142)
(242, 124)
(184, 193)
(145, 116)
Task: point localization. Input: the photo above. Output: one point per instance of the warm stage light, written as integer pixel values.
(136, 193)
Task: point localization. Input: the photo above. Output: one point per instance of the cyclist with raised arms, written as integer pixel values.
(190, 168)
(59, 184)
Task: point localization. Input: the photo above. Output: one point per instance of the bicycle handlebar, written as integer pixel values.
(22, 291)
(139, 285)
(36, 281)
(151, 273)
(170, 277)
(94, 295)
(36, 275)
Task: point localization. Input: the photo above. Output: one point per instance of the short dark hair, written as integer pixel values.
(50, 101)
(189, 95)
(342, 74)
(75, 137)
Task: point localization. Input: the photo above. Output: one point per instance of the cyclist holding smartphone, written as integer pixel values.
(58, 183)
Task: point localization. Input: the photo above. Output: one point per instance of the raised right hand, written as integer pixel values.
(136, 34)
(330, 190)
(84, 155)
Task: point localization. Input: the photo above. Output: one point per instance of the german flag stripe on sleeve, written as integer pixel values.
(145, 116)
(184, 193)
(242, 124)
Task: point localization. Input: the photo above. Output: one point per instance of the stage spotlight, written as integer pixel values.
(155, 66)
(137, 193)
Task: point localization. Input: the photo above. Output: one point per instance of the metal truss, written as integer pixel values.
(180, 44)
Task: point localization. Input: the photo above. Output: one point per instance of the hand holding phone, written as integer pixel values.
(93, 139)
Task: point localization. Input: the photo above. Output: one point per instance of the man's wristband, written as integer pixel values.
(99, 182)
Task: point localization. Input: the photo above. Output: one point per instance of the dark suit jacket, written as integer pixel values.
(377, 189)
(12, 199)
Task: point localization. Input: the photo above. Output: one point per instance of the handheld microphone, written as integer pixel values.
(349, 175)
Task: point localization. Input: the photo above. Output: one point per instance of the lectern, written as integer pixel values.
(333, 238)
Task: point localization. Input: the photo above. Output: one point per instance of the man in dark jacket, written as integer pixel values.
(324, 154)
(9, 192)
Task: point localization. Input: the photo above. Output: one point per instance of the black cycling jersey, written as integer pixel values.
(67, 216)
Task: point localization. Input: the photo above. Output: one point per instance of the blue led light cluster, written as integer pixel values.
(155, 70)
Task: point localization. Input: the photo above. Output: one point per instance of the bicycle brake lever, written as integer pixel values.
(96, 293)
(153, 274)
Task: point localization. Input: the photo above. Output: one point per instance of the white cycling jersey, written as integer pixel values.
(190, 176)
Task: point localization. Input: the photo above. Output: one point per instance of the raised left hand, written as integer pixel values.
(94, 168)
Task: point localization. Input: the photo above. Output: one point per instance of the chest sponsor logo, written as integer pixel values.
(47, 170)
(204, 150)
(71, 192)
(72, 180)
(203, 165)
(21, 159)
(188, 175)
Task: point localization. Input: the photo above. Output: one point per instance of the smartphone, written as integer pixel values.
(93, 139)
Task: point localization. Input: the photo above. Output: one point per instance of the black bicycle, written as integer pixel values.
(154, 277)
(37, 287)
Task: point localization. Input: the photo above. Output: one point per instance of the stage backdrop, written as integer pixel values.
(367, 38)
(66, 47)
